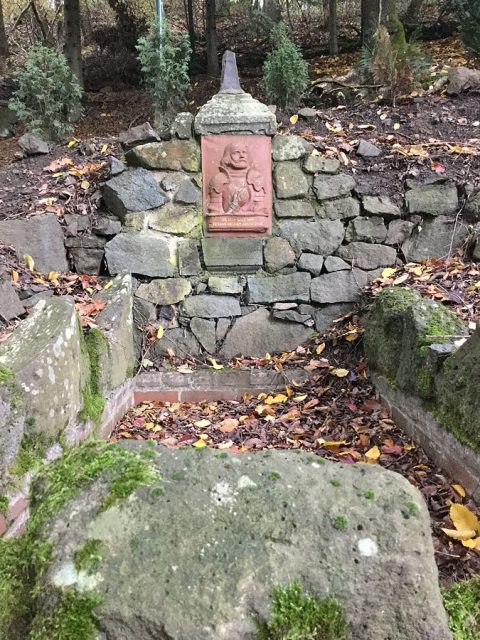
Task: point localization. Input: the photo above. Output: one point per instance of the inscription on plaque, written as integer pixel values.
(237, 185)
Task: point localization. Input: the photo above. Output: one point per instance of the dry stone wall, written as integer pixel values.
(230, 296)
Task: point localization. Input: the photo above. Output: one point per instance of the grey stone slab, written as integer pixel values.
(211, 306)
(135, 190)
(326, 187)
(33, 145)
(182, 126)
(294, 209)
(434, 199)
(289, 148)
(316, 163)
(205, 332)
(322, 236)
(364, 229)
(177, 155)
(278, 254)
(338, 209)
(342, 286)
(219, 284)
(188, 258)
(325, 315)
(87, 260)
(291, 287)
(223, 325)
(399, 231)
(225, 114)
(164, 291)
(232, 253)
(367, 149)
(380, 206)
(436, 238)
(334, 263)
(10, 305)
(141, 134)
(289, 180)
(368, 256)
(40, 237)
(179, 340)
(258, 333)
(145, 254)
(311, 262)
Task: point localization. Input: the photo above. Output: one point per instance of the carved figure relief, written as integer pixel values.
(237, 185)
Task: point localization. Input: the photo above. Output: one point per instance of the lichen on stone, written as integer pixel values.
(93, 402)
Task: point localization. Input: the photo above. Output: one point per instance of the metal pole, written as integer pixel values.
(159, 12)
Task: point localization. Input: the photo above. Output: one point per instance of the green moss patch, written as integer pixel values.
(31, 455)
(295, 615)
(24, 561)
(93, 401)
(462, 602)
(6, 374)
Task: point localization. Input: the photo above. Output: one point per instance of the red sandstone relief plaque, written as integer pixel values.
(237, 185)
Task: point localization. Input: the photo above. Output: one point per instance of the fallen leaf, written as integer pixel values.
(215, 364)
(460, 534)
(373, 453)
(320, 348)
(202, 424)
(184, 369)
(463, 518)
(199, 444)
(294, 119)
(339, 373)
(279, 398)
(388, 273)
(459, 489)
(15, 276)
(228, 425)
(29, 261)
(160, 332)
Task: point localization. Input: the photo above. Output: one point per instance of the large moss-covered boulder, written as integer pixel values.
(400, 328)
(457, 393)
(48, 366)
(196, 554)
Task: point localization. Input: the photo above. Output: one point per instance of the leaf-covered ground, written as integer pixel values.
(336, 414)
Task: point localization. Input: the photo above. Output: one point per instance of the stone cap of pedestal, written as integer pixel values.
(235, 114)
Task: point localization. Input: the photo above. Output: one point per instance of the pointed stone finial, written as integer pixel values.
(230, 82)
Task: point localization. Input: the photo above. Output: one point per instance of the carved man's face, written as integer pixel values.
(238, 156)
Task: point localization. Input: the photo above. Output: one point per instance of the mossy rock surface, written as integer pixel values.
(400, 327)
(457, 393)
(197, 554)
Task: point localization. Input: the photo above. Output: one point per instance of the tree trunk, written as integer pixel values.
(412, 10)
(374, 14)
(332, 27)
(73, 40)
(191, 25)
(213, 67)
(3, 41)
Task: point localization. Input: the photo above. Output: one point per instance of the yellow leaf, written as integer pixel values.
(199, 444)
(29, 261)
(463, 518)
(417, 271)
(225, 445)
(52, 276)
(160, 332)
(184, 369)
(472, 544)
(408, 447)
(261, 396)
(202, 424)
(351, 336)
(269, 418)
(466, 534)
(401, 279)
(215, 364)
(108, 285)
(15, 276)
(147, 363)
(149, 425)
(300, 398)
(294, 119)
(280, 397)
(85, 184)
(331, 443)
(72, 143)
(104, 148)
(388, 273)
(320, 348)
(373, 453)
(340, 373)
(89, 290)
(396, 126)
(459, 489)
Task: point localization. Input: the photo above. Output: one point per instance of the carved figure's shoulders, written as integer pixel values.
(218, 181)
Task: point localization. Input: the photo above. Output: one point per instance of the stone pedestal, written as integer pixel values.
(235, 130)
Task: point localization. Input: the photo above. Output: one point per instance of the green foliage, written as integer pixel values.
(164, 61)
(4, 502)
(285, 72)
(469, 16)
(462, 602)
(6, 375)
(24, 560)
(88, 557)
(47, 93)
(341, 523)
(297, 616)
(31, 454)
(396, 65)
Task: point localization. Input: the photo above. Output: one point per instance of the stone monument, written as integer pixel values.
(236, 132)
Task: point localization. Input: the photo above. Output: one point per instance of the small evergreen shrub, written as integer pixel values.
(47, 93)
(297, 616)
(285, 72)
(164, 61)
(396, 65)
(469, 15)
